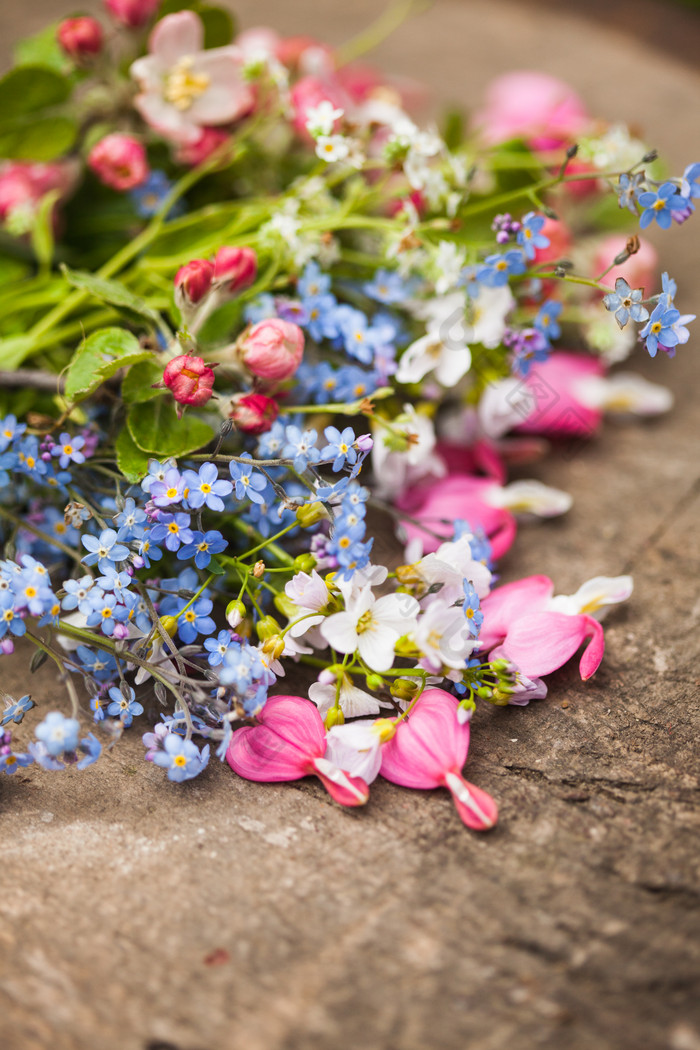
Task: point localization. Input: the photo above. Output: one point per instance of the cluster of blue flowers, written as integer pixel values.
(665, 327)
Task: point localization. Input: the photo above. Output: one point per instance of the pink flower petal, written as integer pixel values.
(427, 744)
(341, 786)
(176, 35)
(228, 96)
(289, 736)
(558, 406)
(439, 505)
(593, 653)
(476, 807)
(541, 642)
(509, 603)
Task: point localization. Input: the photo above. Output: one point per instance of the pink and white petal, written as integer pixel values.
(355, 748)
(341, 786)
(227, 96)
(166, 119)
(476, 807)
(428, 743)
(258, 753)
(506, 604)
(149, 72)
(176, 35)
(541, 642)
(593, 653)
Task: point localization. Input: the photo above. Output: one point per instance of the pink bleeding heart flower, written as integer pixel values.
(533, 106)
(559, 405)
(459, 496)
(518, 626)
(288, 743)
(429, 750)
(185, 88)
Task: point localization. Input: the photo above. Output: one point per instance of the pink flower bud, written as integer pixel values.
(80, 37)
(272, 349)
(254, 413)
(132, 13)
(119, 161)
(190, 379)
(193, 281)
(236, 267)
(193, 153)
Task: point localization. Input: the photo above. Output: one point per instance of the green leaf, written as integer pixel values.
(13, 351)
(42, 49)
(216, 568)
(39, 139)
(132, 462)
(27, 89)
(42, 228)
(218, 26)
(157, 429)
(137, 385)
(98, 357)
(116, 294)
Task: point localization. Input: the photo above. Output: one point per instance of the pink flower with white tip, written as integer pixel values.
(538, 633)
(288, 743)
(429, 749)
(235, 268)
(189, 379)
(183, 87)
(480, 501)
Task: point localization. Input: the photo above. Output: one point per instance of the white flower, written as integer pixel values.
(624, 392)
(503, 405)
(449, 262)
(356, 748)
(450, 565)
(309, 594)
(332, 147)
(321, 118)
(530, 497)
(443, 636)
(593, 596)
(396, 468)
(448, 360)
(490, 309)
(371, 626)
(353, 701)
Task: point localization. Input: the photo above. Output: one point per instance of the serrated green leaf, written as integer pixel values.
(137, 385)
(37, 138)
(115, 293)
(156, 429)
(132, 462)
(28, 89)
(100, 356)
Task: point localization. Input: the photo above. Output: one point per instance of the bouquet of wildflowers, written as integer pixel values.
(253, 317)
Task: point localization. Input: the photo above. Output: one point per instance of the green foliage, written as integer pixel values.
(132, 462)
(100, 356)
(115, 294)
(157, 429)
(42, 49)
(26, 132)
(137, 385)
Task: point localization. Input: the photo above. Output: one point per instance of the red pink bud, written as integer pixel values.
(132, 13)
(236, 268)
(119, 161)
(254, 413)
(80, 37)
(189, 379)
(193, 281)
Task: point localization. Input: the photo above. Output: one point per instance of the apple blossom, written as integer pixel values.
(119, 161)
(272, 349)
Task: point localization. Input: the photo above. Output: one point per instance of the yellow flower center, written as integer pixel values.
(183, 86)
(205, 488)
(180, 760)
